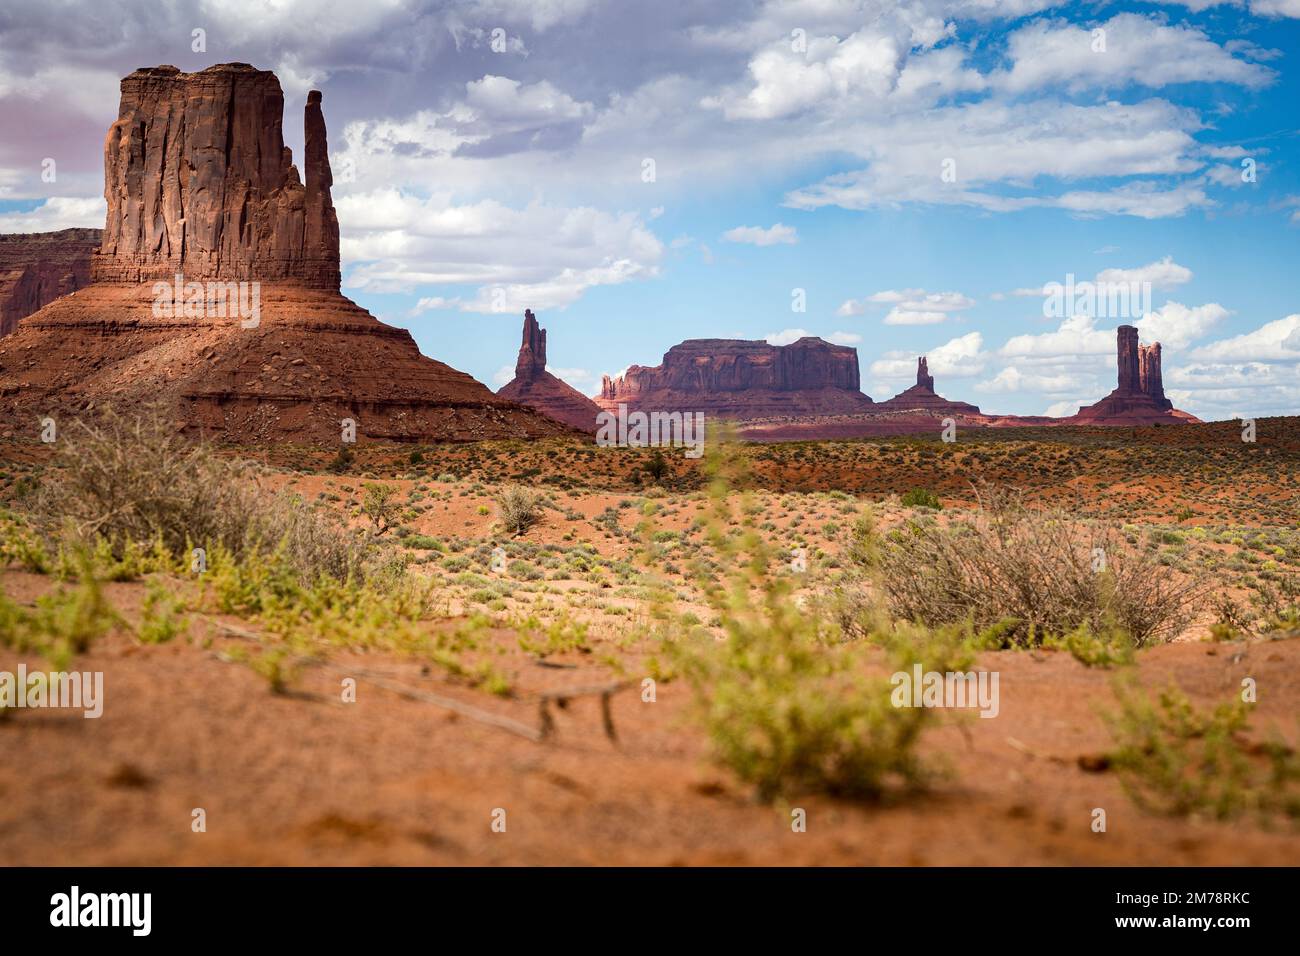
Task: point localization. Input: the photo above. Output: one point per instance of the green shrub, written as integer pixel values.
(1175, 760)
(786, 707)
(62, 624)
(921, 498)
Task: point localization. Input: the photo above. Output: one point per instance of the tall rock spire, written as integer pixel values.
(1150, 377)
(923, 377)
(532, 353)
(321, 226)
(1130, 373)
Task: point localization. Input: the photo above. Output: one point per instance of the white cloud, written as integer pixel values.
(504, 101)
(867, 63)
(1176, 326)
(905, 316)
(957, 358)
(1138, 50)
(1012, 379)
(910, 306)
(758, 236)
(1077, 336)
(844, 338)
(1165, 274)
(1068, 407)
(1277, 341)
(1276, 8)
(538, 256)
(785, 336)
(58, 212)
(1003, 156)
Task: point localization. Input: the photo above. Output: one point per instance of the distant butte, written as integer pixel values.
(36, 268)
(922, 397)
(738, 379)
(1139, 398)
(539, 389)
(199, 183)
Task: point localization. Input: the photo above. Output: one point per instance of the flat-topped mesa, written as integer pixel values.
(740, 379)
(199, 183)
(732, 365)
(36, 268)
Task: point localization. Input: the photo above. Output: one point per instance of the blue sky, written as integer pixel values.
(490, 155)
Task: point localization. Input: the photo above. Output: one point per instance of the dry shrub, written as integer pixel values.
(1025, 573)
(520, 507)
(127, 483)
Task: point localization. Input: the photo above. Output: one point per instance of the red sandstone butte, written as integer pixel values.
(539, 389)
(1139, 398)
(200, 184)
(36, 268)
(739, 380)
(922, 397)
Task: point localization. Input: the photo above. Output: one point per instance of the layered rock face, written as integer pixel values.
(36, 268)
(539, 389)
(922, 397)
(739, 380)
(1139, 397)
(199, 184)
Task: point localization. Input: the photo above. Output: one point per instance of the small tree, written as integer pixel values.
(379, 506)
(657, 466)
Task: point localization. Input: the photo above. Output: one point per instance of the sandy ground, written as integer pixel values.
(304, 778)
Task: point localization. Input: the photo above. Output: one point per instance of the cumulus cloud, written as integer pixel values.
(991, 150)
(57, 213)
(1077, 336)
(910, 306)
(1176, 326)
(758, 236)
(537, 256)
(1131, 49)
(1277, 341)
(1012, 379)
(785, 336)
(961, 357)
(1165, 274)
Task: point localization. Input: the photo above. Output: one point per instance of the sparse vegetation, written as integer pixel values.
(1176, 760)
(1039, 573)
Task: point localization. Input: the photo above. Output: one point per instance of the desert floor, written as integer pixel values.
(293, 774)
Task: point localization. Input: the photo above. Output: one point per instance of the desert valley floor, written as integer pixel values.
(554, 636)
